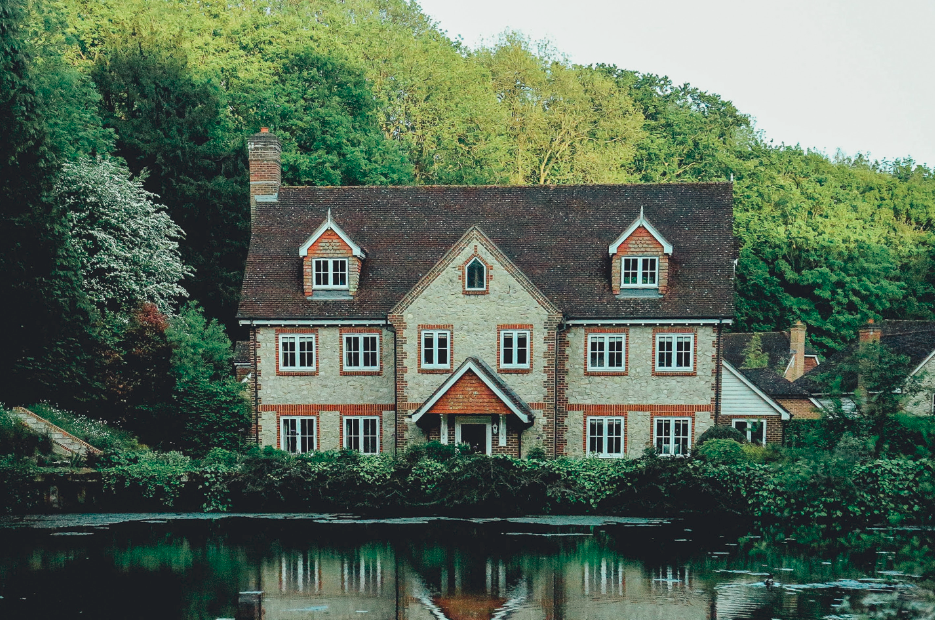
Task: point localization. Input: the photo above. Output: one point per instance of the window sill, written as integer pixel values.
(674, 373)
(362, 372)
(605, 373)
(639, 293)
(435, 371)
(328, 295)
(514, 371)
(296, 373)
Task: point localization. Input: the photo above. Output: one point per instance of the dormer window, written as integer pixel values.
(330, 273)
(639, 271)
(476, 276)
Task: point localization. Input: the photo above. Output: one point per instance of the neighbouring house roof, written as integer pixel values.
(772, 383)
(490, 378)
(915, 339)
(241, 353)
(557, 236)
(774, 344)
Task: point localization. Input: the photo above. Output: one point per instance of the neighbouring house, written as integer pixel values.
(787, 357)
(582, 320)
(242, 361)
(914, 339)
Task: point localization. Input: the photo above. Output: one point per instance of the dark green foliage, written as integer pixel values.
(18, 493)
(49, 334)
(209, 408)
(174, 126)
(324, 113)
(720, 431)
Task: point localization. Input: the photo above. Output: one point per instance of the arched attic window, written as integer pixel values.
(476, 276)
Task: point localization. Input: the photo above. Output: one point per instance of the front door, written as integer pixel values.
(475, 435)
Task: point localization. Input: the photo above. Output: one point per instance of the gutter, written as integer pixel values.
(313, 322)
(391, 328)
(650, 321)
(717, 376)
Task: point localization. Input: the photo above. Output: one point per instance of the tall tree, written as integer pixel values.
(49, 324)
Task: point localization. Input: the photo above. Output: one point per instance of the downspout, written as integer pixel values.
(558, 330)
(256, 395)
(392, 328)
(717, 376)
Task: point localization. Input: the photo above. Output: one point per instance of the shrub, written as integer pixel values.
(151, 478)
(536, 453)
(95, 432)
(721, 431)
(755, 453)
(18, 440)
(721, 451)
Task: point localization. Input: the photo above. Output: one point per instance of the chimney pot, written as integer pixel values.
(264, 129)
(869, 332)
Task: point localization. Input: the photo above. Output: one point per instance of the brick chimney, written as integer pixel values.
(264, 152)
(869, 332)
(797, 351)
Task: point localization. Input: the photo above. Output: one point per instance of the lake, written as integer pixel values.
(298, 567)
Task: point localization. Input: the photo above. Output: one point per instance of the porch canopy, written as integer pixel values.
(475, 389)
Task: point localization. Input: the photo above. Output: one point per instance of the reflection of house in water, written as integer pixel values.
(339, 582)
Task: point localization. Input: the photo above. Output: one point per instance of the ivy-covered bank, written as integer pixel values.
(811, 497)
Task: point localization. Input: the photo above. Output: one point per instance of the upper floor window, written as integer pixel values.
(296, 352)
(330, 273)
(514, 349)
(476, 276)
(362, 434)
(605, 437)
(297, 434)
(436, 349)
(640, 271)
(361, 352)
(674, 352)
(673, 436)
(607, 352)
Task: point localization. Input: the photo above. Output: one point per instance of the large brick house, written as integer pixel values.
(584, 320)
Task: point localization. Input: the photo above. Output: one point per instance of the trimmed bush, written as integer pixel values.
(721, 431)
(724, 451)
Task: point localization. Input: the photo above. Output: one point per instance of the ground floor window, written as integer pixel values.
(605, 437)
(753, 430)
(673, 436)
(362, 433)
(297, 434)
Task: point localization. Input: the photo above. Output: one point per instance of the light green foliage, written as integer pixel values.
(753, 355)
(95, 432)
(723, 451)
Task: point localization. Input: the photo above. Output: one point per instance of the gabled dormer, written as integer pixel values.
(640, 261)
(331, 262)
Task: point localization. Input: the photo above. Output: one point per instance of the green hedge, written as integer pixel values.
(822, 494)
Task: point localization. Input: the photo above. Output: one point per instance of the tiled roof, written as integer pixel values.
(558, 236)
(915, 339)
(774, 344)
(241, 352)
(772, 383)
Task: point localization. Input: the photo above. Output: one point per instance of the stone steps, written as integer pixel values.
(63, 442)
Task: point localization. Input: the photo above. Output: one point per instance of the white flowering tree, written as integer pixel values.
(126, 242)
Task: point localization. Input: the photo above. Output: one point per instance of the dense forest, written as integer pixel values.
(124, 184)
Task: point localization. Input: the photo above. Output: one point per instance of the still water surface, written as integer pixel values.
(299, 567)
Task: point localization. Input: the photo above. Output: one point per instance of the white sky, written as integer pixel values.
(850, 74)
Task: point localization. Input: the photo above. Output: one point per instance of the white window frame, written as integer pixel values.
(514, 333)
(747, 421)
(435, 333)
(483, 286)
(296, 339)
(605, 339)
(605, 427)
(640, 271)
(676, 338)
(361, 421)
(331, 274)
(347, 350)
(672, 420)
(285, 421)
